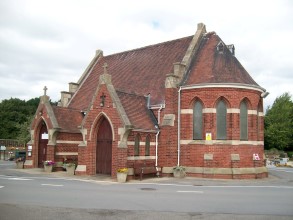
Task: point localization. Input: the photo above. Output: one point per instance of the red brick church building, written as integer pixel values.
(185, 102)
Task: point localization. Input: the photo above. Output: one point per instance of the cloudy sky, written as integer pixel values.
(52, 42)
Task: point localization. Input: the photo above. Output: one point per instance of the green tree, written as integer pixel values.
(279, 123)
(15, 117)
(24, 133)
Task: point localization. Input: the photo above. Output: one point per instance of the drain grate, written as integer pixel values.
(148, 189)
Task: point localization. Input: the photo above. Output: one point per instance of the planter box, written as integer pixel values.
(48, 168)
(19, 165)
(121, 177)
(179, 174)
(70, 170)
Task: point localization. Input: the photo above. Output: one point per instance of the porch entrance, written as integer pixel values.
(104, 148)
(43, 141)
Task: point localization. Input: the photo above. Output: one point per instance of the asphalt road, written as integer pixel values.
(283, 173)
(30, 196)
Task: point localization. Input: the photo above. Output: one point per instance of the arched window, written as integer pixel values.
(243, 121)
(136, 145)
(147, 145)
(221, 120)
(197, 121)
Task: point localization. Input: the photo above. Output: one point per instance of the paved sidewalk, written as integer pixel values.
(271, 180)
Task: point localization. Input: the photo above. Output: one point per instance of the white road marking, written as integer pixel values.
(18, 178)
(190, 191)
(44, 184)
(1, 187)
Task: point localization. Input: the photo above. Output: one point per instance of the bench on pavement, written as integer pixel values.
(142, 168)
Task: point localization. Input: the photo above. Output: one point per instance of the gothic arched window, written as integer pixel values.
(221, 120)
(243, 121)
(197, 121)
(136, 145)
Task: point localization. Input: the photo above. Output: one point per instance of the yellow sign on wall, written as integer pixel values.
(208, 136)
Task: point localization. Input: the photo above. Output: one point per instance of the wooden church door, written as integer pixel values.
(43, 141)
(104, 148)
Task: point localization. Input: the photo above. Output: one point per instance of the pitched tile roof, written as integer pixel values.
(136, 109)
(211, 66)
(68, 119)
(139, 71)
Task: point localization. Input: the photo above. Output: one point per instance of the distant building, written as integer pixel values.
(10, 148)
(183, 102)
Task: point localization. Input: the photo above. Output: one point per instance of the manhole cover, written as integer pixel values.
(148, 189)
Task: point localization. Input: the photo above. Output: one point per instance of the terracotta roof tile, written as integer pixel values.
(68, 119)
(210, 66)
(136, 109)
(139, 71)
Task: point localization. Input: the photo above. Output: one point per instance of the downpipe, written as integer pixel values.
(157, 138)
(178, 125)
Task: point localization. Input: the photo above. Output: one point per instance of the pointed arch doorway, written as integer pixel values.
(43, 142)
(104, 148)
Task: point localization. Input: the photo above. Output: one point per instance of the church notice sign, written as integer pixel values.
(45, 136)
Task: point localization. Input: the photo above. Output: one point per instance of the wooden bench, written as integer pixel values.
(146, 167)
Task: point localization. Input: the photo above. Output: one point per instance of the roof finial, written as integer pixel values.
(105, 68)
(45, 90)
(105, 78)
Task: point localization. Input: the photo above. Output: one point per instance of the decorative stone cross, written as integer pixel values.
(105, 68)
(45, 90)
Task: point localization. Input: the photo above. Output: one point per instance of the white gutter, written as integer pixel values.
(157, 106)
(144, 130)
(179, 110)
(224, 85)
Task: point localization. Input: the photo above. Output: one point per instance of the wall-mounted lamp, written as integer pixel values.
(102, 103)
(264, 94)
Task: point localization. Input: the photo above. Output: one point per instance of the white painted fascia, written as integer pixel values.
(224, 85)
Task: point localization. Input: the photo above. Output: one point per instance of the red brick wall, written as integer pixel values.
(87, 155)
(209, 98)
(67, 147)
(41, 115)
(167, 149)
(52, 149)
(192, 155)
(62, 136)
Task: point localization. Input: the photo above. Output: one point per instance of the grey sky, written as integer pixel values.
(52, 42)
